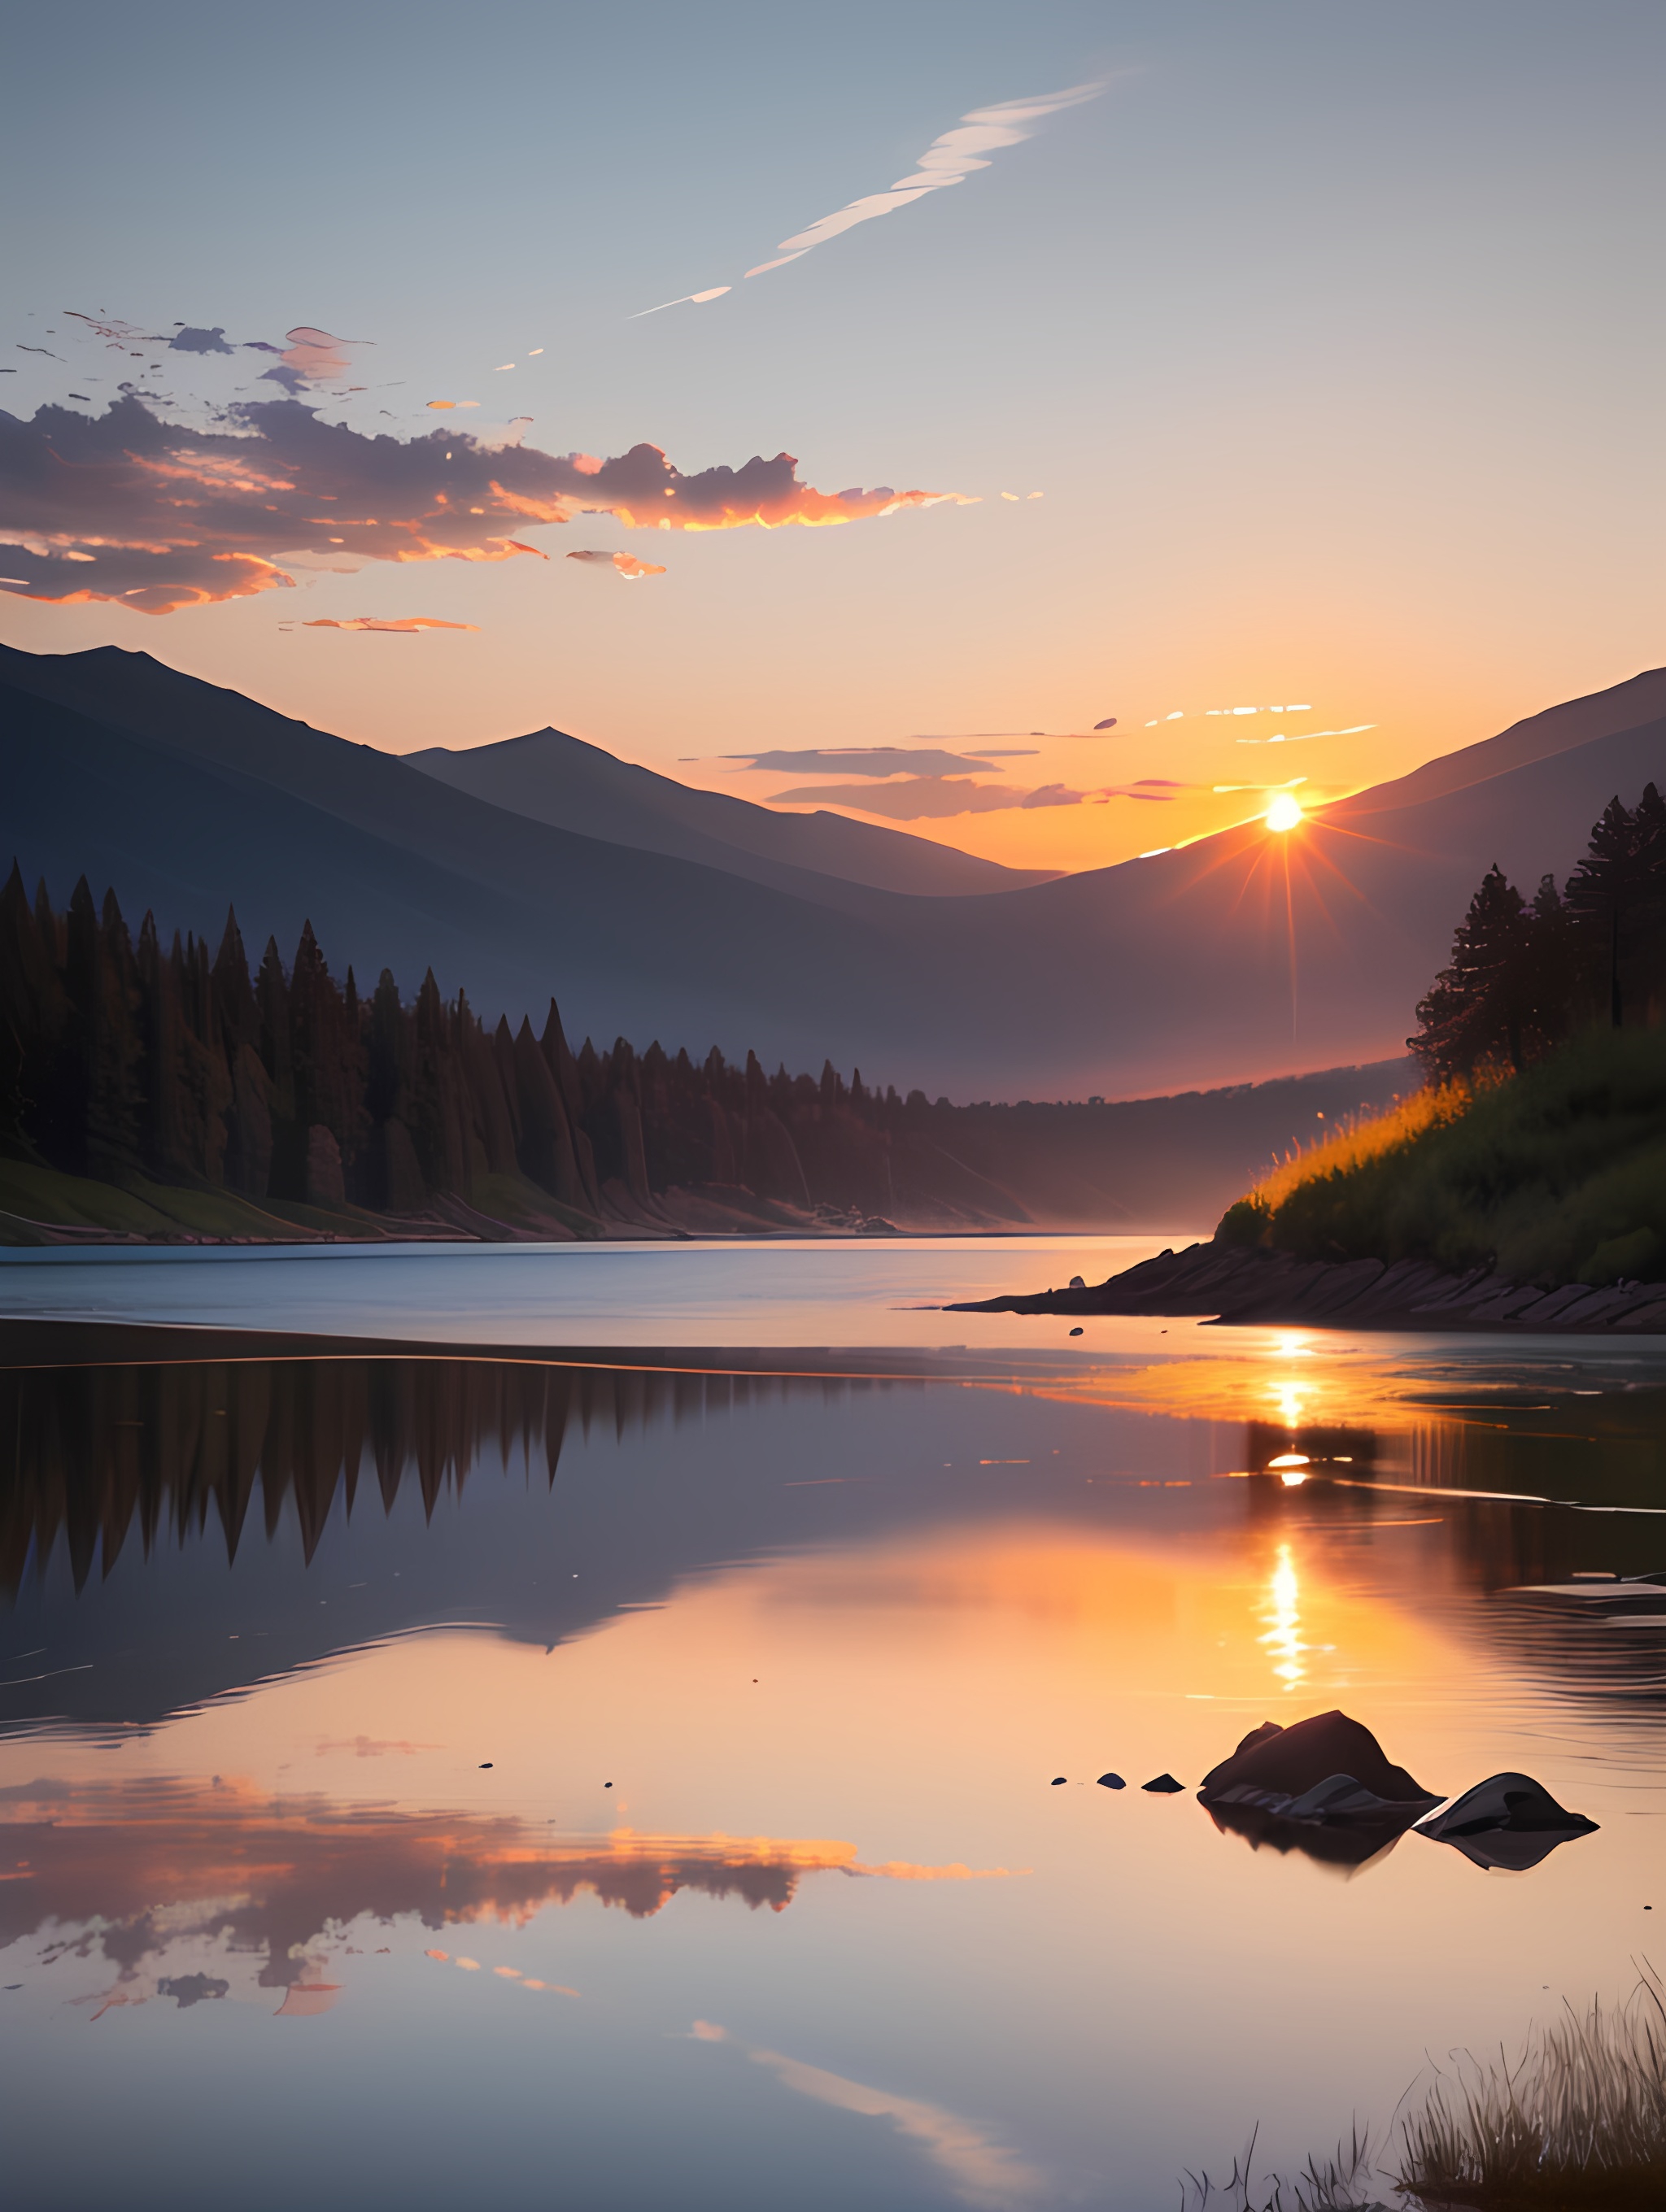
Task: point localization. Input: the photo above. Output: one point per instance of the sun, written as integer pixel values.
(1284, 812)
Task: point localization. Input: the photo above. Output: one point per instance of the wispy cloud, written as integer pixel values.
(936, 797)
(627, 564)
(124, 506)
(875, 760)
(401, 625)
(949, 160)
(926, 798)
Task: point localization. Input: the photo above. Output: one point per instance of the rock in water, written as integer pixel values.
(1322, 1787)
(1165, 1785)
(1509, 1821)
(1286, 1761)
(1112, 1781)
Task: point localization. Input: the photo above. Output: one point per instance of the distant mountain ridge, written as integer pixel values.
(551, 777)
(1243, 956)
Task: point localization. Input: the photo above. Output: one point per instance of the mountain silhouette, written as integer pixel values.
(1242, 955)
(553, 778)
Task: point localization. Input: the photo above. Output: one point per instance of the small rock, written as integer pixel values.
(485, 1765)
(1058, 1781)
(1112, 1781)
(1165, 1785)
(1077, 1284)
(607, 1785)
(1075, 1332)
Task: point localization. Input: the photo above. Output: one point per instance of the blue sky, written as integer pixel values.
(1330, 335)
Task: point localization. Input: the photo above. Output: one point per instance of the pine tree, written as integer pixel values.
(1617, 899)
(1480, 1007)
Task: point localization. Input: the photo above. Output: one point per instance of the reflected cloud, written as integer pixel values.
(137, 1872)
(127, 507)
(980, 2169)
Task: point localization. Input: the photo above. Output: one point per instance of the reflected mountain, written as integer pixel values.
(358, 1497)
(118, 1481)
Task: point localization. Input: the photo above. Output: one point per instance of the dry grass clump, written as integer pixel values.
(1577, 2124)
(1341, 2182)
(1361, 1138)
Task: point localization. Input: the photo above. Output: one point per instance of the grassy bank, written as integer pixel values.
(1555, 1176)
(1575, 2123)
(33, 1197)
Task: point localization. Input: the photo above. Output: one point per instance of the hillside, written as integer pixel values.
(150, 1091)
(1161, 974)
(1556, 1175)
(553, 778)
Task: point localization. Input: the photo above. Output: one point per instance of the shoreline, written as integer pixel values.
(1237, 1285)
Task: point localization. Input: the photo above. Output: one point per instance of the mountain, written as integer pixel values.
(553, 778)
(1243, 956)
(145, 698)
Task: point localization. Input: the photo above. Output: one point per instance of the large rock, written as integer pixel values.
(1288, 1761)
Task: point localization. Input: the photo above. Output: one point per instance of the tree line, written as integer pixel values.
(119, 1058)
(1528, 974)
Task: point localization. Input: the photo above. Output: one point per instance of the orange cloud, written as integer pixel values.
(627, 564)
(126, 507)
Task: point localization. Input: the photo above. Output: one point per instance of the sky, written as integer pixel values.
(1099, 365)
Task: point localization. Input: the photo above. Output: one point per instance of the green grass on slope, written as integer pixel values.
(1557, 1175)
(32, 1196)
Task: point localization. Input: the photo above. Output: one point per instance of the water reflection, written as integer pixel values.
(153, 1874)
(465, 1708)
(1282, 1635)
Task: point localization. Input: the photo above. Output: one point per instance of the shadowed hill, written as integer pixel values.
(552, 777)
(1243, 956)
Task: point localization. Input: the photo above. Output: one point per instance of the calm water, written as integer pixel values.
(557, 1780)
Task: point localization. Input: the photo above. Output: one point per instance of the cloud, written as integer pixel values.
(925, 797)
(314, 356)
(934, 798)
(1301, 738)
(872, 760)
(949, 160)
(627, 565)
(125, 506)
(404, 624)
(186, 340)
(688, 299)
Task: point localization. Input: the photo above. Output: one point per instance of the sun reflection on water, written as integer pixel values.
(1282, 1633)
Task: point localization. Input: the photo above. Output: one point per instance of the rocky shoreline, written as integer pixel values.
(1238, 1285)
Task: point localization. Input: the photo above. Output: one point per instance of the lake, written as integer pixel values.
(612, 1761)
